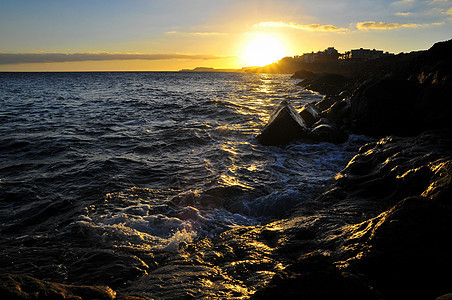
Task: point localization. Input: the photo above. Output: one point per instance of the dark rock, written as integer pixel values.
(328, 133)
(313, 276)
(93, 266)
(304, 74)
(187, 199)
(407, 243)
(395, 168)
(444, 297)
(209, 202)
(408, 101)
(310, 114)
(386, 107)
(326, 102)
(284, 126)
(409, 246)
(23, 287)
(338, 112)
(324, 121)
(327, 84)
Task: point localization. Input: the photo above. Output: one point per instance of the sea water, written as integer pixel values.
(145, 160)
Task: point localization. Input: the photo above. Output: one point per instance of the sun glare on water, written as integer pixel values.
(263, 50)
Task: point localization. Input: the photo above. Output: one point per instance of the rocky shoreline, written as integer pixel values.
(380, 230)
(394, 246)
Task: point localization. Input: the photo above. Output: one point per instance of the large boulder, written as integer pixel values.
(407, 101)
(381, 230)
(304, 74)
(326, 83)
(386, 107)
(406, 245)
(339, 112)
(284, 126)
(310, 114)
(327, 132)
(314, 276)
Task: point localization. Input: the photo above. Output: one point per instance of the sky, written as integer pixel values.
(168, 35)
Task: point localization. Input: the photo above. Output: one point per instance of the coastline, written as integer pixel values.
(379, 230)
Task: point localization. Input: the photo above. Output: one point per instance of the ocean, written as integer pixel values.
(141, 164)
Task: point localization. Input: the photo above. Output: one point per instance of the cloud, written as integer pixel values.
(403, 2)
(370, 25)
(310, 27)
(404, 14)
(449, 12)
(196, 33)
(22, 58)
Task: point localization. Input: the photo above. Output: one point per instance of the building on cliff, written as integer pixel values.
(328, 54)
(363, 54)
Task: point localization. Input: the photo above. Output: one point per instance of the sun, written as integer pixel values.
(263, 50)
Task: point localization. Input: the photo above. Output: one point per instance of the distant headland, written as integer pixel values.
(209, 69)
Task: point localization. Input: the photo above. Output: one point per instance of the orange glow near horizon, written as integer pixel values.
(262, 50)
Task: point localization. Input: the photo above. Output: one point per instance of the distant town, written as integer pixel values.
(330, 56)
(328, 60)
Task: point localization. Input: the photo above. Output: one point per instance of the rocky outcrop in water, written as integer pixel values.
(286, 124)
(409, 95)
(383, 227)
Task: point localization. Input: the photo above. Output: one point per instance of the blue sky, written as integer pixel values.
(210, 33)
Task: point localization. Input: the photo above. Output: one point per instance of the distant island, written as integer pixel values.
(209, 69)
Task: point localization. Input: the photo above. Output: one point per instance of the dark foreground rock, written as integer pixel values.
(14, 287)
(24, 287)
(385, 234)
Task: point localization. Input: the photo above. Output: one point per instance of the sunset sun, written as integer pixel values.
(263, 50)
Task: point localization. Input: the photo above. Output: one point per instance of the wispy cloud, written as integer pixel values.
(403, 2)
(309, 27)
(403, 14)
(449, 12)
(21, 58)
(370, 25)
(196, 33)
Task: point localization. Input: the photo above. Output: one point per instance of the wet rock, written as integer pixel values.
(444, 297)
(187, 199)
(284, 126)
(327, 84)
(313, 276)
(338, 112)
(326, 102)
(209, 202)
(394, 168)
(18, 287)
(328, 133)
(408, 246)
(310, 114)
(405, 244)
(304, 74)
(384, 227)
(93, 266)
